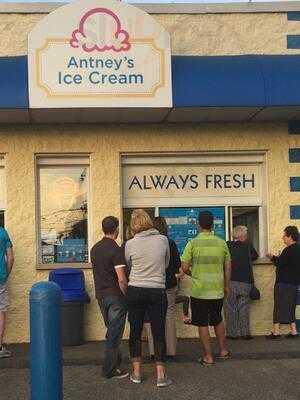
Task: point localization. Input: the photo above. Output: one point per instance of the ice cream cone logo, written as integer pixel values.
(100, 30)
(65, 190)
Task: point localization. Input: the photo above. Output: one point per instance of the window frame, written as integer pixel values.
(43, 161)
(258, 157)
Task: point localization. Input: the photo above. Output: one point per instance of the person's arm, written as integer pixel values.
(127, 255)
(9, 259)
(167, 253)
(175, 262)
(120, 268)
(227, 274)
(253, 253)
(180, 274)
(285, 258)
(122, 279)
(227, 270)
(186, 259)
(186, 267)
(278, 260)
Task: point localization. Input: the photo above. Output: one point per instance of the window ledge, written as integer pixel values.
(48, 267)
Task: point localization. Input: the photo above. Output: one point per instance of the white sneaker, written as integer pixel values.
(135, 378)
(4, 353)
(163, 382)
(119, 374)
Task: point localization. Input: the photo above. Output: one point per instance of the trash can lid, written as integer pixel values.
(66, 271)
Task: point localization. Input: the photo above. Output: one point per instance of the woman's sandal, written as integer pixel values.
(224, 356)
(205, 363)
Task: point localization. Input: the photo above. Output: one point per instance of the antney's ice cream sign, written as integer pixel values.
(99, 54)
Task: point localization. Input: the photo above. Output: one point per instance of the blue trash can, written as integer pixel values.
(72, 283)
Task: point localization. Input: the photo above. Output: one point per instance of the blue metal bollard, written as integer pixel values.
(45, 342)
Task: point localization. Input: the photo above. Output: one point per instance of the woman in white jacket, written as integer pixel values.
(147, 255)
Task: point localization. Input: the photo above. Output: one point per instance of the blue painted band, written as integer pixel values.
(295, 212)
(294, 155)
(295, 184)
(293, 16)
(198, 81)
(293, 41)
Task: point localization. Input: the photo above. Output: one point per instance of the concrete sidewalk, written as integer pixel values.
(259, 369)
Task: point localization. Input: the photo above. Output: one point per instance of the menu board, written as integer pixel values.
(72, 250)
(183, 223)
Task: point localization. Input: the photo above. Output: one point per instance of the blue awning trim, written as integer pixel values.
(14, 83)
(236, 81)
(198, 81)
(217, 81)
(282, 80)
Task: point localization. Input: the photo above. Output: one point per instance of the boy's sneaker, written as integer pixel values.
(4, 353)
(119, 374)
(163, 382)
(135, 378)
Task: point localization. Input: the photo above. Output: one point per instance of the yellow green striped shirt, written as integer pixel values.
(207, 254)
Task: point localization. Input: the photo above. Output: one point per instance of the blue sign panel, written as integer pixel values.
(72, 250)
(183, 223)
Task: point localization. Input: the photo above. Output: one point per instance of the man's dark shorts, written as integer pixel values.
(206, 312)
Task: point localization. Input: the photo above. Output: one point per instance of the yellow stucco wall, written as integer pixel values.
(211, 34)
(198, 34)
(105, 144)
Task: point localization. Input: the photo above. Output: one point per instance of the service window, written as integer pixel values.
(179, 185)
(249, 217)
(63, 186)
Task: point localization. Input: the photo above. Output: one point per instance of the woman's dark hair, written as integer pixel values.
(206, 220)
(110, 225)
(161, 225)
(292, 231)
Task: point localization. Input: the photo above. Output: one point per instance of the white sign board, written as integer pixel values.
(99, 53)
(194, 181)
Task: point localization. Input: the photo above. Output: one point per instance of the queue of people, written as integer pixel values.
(140, 278)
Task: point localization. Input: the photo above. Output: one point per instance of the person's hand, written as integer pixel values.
(180, 274)
(226, 291)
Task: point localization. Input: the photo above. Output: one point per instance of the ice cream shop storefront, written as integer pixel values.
(105, 108)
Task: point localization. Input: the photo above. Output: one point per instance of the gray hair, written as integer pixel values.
(239, 231)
